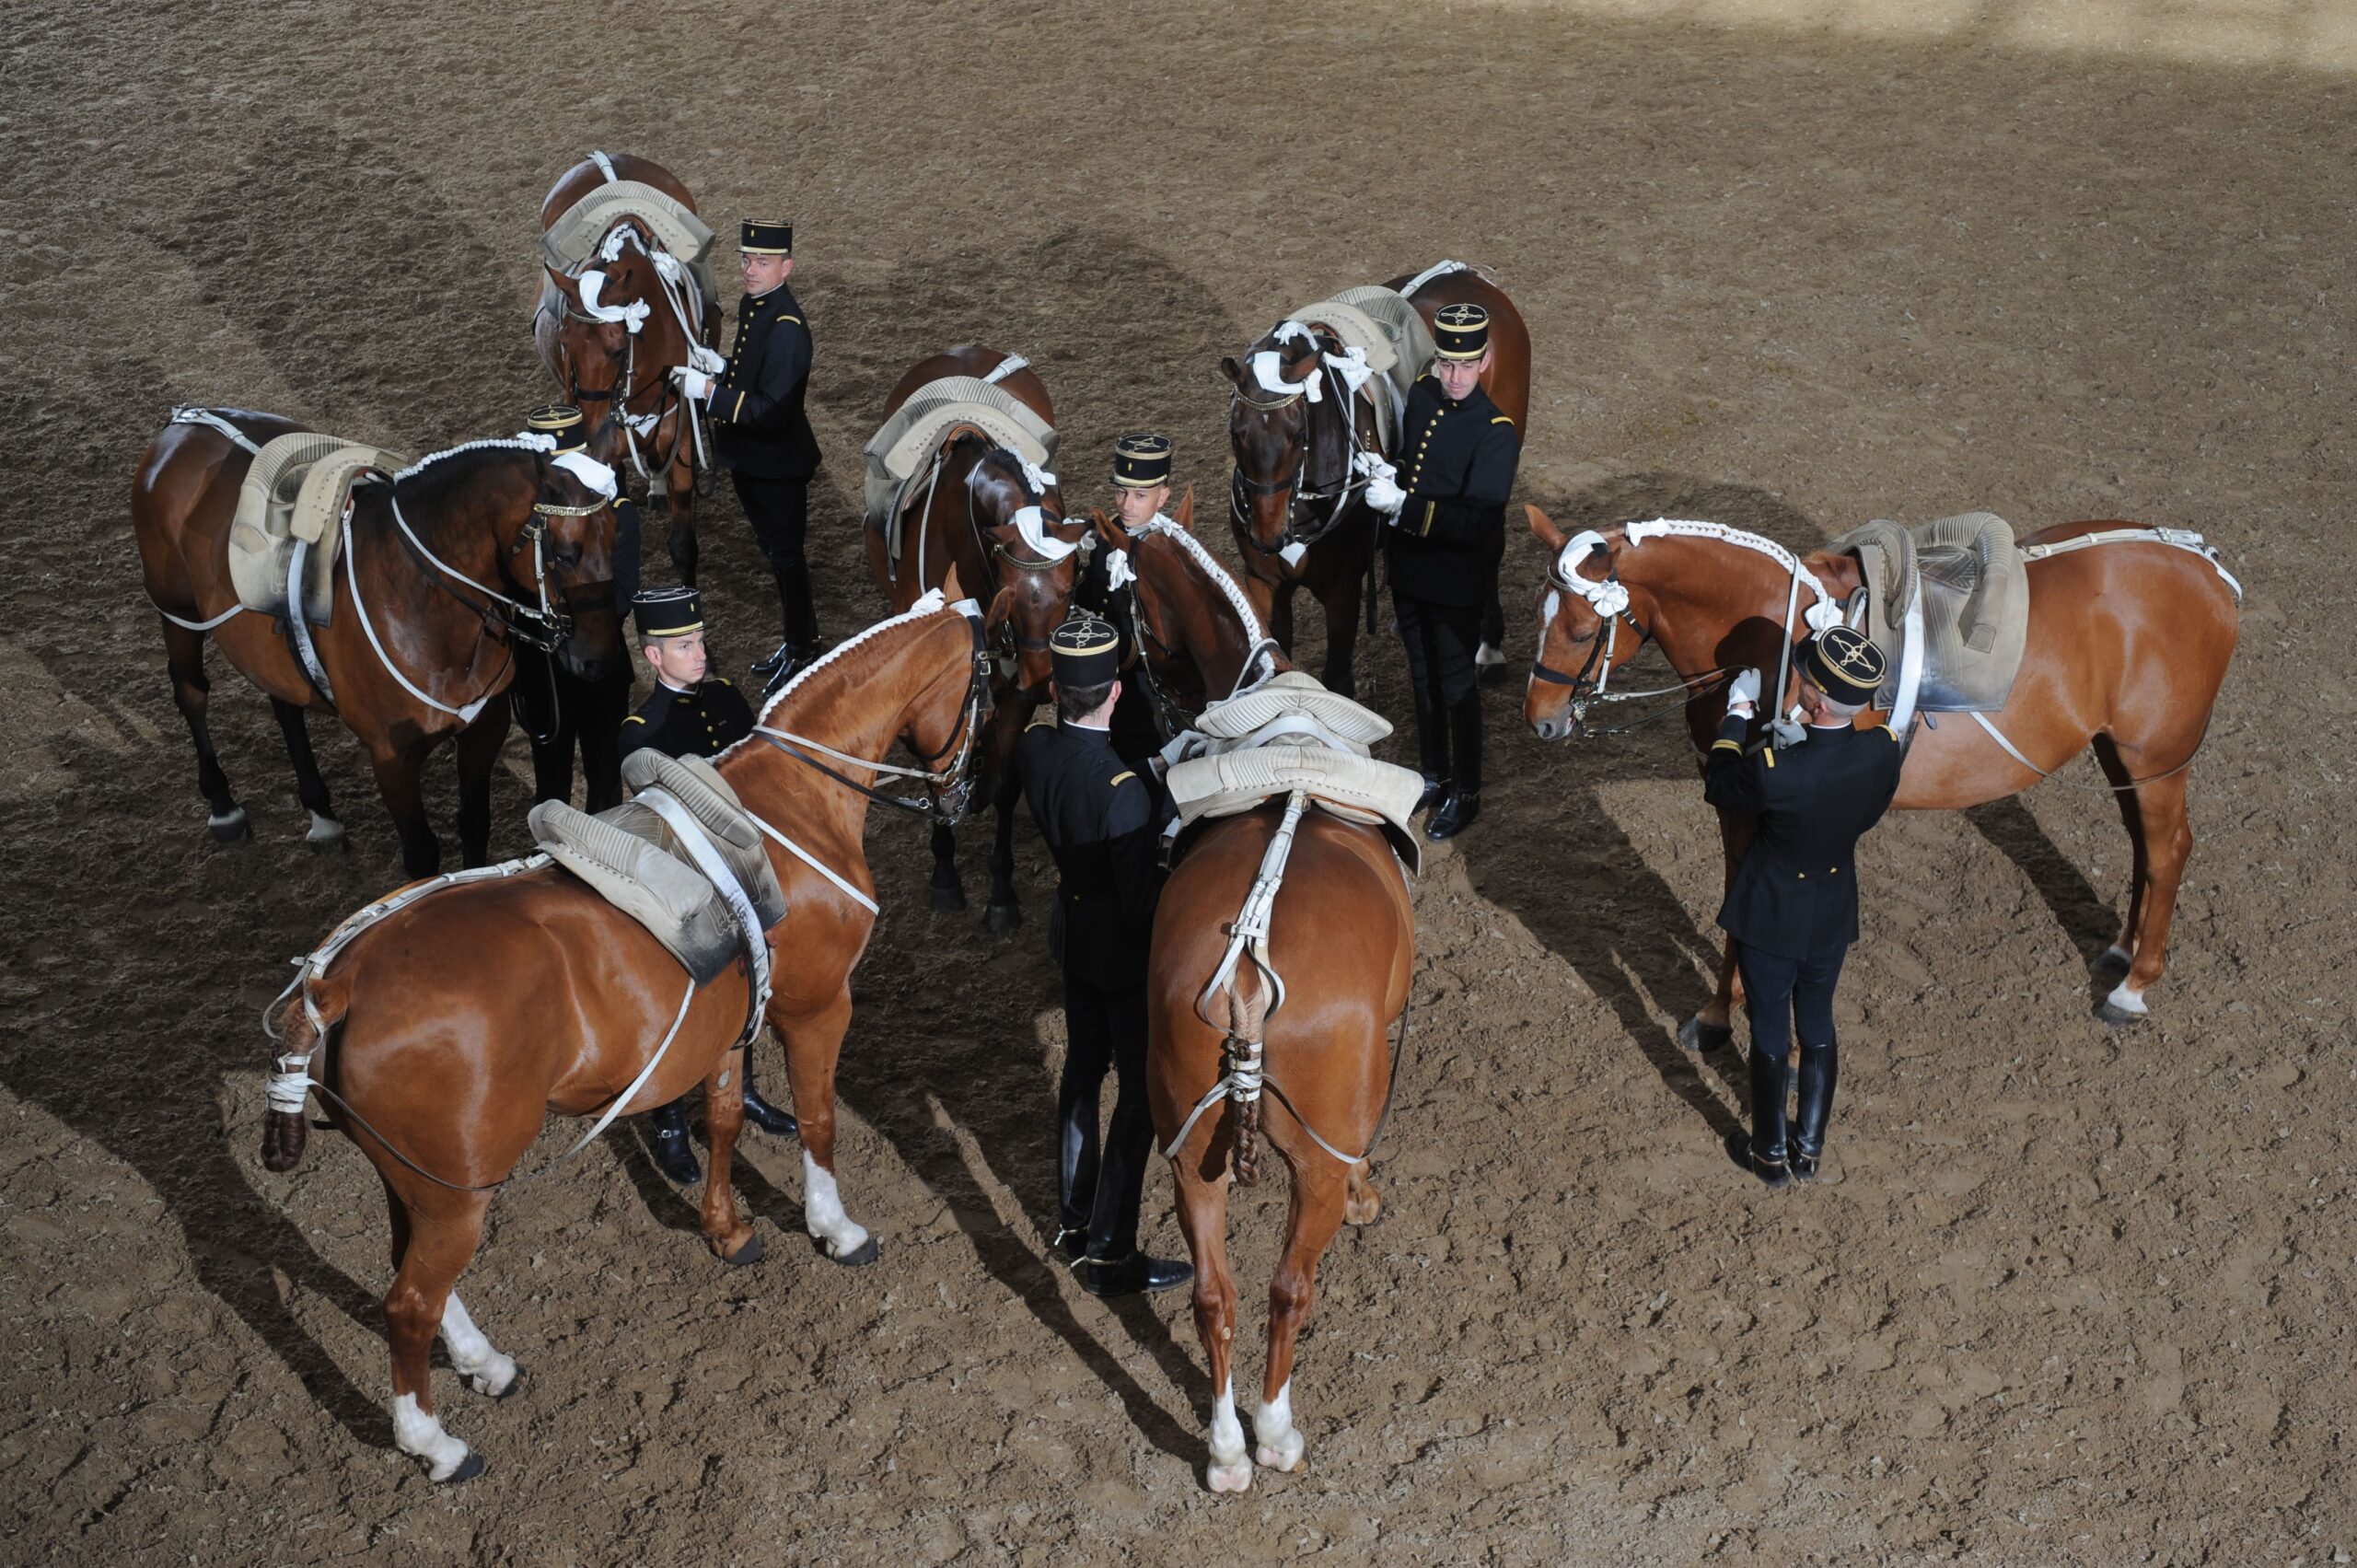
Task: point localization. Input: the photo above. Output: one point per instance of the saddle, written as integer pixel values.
(1383, 324)
(1290, 733)
(1968, 592)
(634, 859)
(297, 490)
(899, 454)
(570, 245)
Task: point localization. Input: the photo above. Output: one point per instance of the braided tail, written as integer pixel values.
(1247, 1011)
(284, 1131)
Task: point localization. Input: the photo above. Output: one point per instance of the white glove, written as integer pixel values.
(706, 360)
(1743, 693)
(693, 383)
(1383, 492)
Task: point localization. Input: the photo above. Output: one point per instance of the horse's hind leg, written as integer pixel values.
(442, 1241)
(1203, 1216)
(486, 1370)
(948, 891)
(326, 833)
(184, 654)
(1005, 911)
(1311, 1220)
(2122, 953)
(2163, 840)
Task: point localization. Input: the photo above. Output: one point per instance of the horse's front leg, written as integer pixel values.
(1005, 911)
(397, 770)
(814, 1044)
(479, 746)
(679, 503)
(1713, 1027)
(732, 1238)
(1337, 595)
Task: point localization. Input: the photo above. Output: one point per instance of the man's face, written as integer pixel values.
(1139, 505)
(762, 273)
(676, 661)
(1457, 377)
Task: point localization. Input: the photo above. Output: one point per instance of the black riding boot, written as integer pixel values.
(1432, 757)
(1077, 1170)
(1464, 801)
(1820, 1068)
(760, 1112)
(673, 1156)
(1764, 1154)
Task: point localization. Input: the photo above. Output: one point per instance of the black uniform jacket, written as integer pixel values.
(1099, 816)
(689, 723)
(1456, 464)
(1796, 895)
(760, 428)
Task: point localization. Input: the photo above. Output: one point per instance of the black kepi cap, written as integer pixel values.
(1084, 651)
(561, 421)
(668, 612)
(1460, 331)
(1142, 460)
(757, 237)
(1844, 665)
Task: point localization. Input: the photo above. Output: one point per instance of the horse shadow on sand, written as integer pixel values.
(1548, 850)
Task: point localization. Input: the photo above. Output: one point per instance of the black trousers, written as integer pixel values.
(559, 713)
(1778, 992)
(779, 511)
(1440, 640)
(1106, 1028)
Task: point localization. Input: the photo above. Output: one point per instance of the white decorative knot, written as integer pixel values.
(1606, 599)
(932, 600)
(593, 283)
(1268, 369)
(1118, 572)
(1041, 481)
(1032, 524)
(1825, 613)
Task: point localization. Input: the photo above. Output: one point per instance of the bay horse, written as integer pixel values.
(1297, 500)
(618, 370)
(439, 1032)
(963, 516)
(1342, 911)
(2127, 649)
(443, 568)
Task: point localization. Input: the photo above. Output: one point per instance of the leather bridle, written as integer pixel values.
(1241, 486)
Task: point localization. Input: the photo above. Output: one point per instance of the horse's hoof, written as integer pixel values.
(1284, 1456)
(748, 1254)
(2119, 1017)
(515, 1387)
(1698, 1036)
(326, 836)
(1003, 918)
(859, 1257)
(1236, 1477)
(469, 1467)
(1364, 1215)
(948, 901)
(230, 826)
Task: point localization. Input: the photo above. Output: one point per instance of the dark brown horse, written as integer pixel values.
(441, 1034)
(442, 568)
(1296, 501)
(1194, 631)
(618, 370)
(2128, 645)
(963, 515)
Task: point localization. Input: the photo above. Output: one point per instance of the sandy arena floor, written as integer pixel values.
(2067, 1295)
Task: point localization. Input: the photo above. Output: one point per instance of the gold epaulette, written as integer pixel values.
(1736, 745)
(1770, 754)
(1119, 778)
(1502, 419)
(1887, 730)
(633, 719)
(1042, 715)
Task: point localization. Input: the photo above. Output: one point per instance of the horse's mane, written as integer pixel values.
(431, 477)
(1209, 565)
(917, 612)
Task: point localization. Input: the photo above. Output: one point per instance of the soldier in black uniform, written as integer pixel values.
(689, 716)
(1101, 821)
(1793, 906)
(762, 433)
(1447, 531)
(558, 710)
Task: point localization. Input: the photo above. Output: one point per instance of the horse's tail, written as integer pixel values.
(310, 1022)
(1248, 1013)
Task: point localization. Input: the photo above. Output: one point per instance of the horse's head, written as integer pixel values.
(1288, 427)
(616, 340)
(561, 560)
(1019, 515)
(947, 717)
(1588, 627)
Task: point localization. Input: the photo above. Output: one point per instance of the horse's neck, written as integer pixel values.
(1209, 631)
(1706, 591)
(951, 523)
(845, 706)
(465, 531)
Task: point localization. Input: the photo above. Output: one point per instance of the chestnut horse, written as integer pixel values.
(617, 371)
(961, 515)
(441, 568)
(1297, 500)
(441, 1032)
(2128, 645)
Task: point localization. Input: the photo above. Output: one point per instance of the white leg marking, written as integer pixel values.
(2127, 1001)
(324, 830)
(486, 1370)
(822, 1210)
(2116, 954)
(1230, 1471)
(229, 818)
(1281, 1444)
(414, 1431)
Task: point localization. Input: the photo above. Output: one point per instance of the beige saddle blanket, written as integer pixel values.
(296, 488)
(1383, 324)
(570, 245)
(1291, 733)
(1967, 580)
(899, 454)
(632, 857)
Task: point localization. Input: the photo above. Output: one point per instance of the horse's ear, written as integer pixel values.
(1002, 605)
(1185, 515)
(564, 286)
(1543, 528)
(1108, 528)
(951, 591)
(1233, 371)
